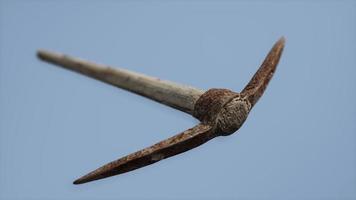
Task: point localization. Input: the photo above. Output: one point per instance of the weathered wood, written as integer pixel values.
(172, 94)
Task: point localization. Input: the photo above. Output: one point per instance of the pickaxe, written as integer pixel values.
(221, 111)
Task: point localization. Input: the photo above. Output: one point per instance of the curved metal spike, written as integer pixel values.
(177, 144)
(257, 85)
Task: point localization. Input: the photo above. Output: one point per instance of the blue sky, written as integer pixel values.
(299, 141)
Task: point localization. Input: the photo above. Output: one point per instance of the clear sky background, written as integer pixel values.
(299, 141)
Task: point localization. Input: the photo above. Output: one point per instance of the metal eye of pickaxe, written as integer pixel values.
(220, 111)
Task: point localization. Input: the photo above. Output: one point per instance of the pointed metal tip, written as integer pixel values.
(174, 145)
(99, 173)
(81, 180)
(279, 45)
(88, 177)
(77, 182)
(257, 85)
(282, 40)
(277, 49)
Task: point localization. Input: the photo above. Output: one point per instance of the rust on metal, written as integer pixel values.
(221, 111)
(177, 144)
(257, 85)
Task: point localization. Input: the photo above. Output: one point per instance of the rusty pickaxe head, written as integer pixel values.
(221, 111)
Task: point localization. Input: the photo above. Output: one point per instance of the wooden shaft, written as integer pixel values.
(172, 94)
